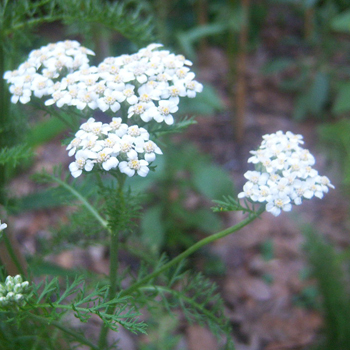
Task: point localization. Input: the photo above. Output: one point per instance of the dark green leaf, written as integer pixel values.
(212, 181)
(318, 93)
(205, 103)
(152, 228)
(45, 131)
(342, 101)
(278, 65)
(301, 107)
(341, 23)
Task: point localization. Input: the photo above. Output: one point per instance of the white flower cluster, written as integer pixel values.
(39, 74)
(13, 291)
(284, 174)
(110, 146)
(149, 82)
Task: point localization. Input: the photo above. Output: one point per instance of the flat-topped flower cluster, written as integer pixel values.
(148, 84)
(40, 74)
(284, 174)
(13, 291)
(112, 145)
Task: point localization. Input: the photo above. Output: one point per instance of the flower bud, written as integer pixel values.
(3, 301)
(18, 288)
(19, 298)
(25, 286)
(8, 279)
(10, 296)
(9, 286)
(17, 279)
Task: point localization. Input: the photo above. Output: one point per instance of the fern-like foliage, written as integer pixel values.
(122, 208)
(51, 302)
(164, 129)
(231, 204)
(194, 294)
(126, 17)
(12, 156)
(198, 299)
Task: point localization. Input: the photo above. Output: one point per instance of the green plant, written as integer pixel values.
(96, 147)
(112, 163)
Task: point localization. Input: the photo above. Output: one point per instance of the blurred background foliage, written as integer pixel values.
(313, 68)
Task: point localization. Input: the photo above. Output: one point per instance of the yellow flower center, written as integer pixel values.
(109, 100)
(125, 147)
(134, 164)
(148, 147)
(164, 110)
(134, 131)
(18, 91)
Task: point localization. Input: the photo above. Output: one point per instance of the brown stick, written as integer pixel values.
(309, 23)
(202, 19)
(240, 98)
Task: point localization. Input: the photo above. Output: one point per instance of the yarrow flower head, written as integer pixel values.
(148, 83)
(284, 174)
(13, 292)
(111, 146)
(38, 74)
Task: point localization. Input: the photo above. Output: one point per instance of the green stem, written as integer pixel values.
(75, 335)
(190, 301)
(113, 270)
(192, 249)
(162, 10)
(4, 115)
(13, 255)
(83, 200)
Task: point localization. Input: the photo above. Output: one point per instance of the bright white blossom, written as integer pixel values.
(284, 175)
(148, 83)
(82, 162)
(44, 67)
(134, 165)
(112, 146)
(133, 89)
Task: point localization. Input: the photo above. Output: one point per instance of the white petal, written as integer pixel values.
(143, 171)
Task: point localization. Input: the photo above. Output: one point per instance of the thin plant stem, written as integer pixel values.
(192, 249)
(12, 257)
(64, 329)
(3, 121)
(162, 10)
(113, 271)
(190, 301)
(83, 200)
